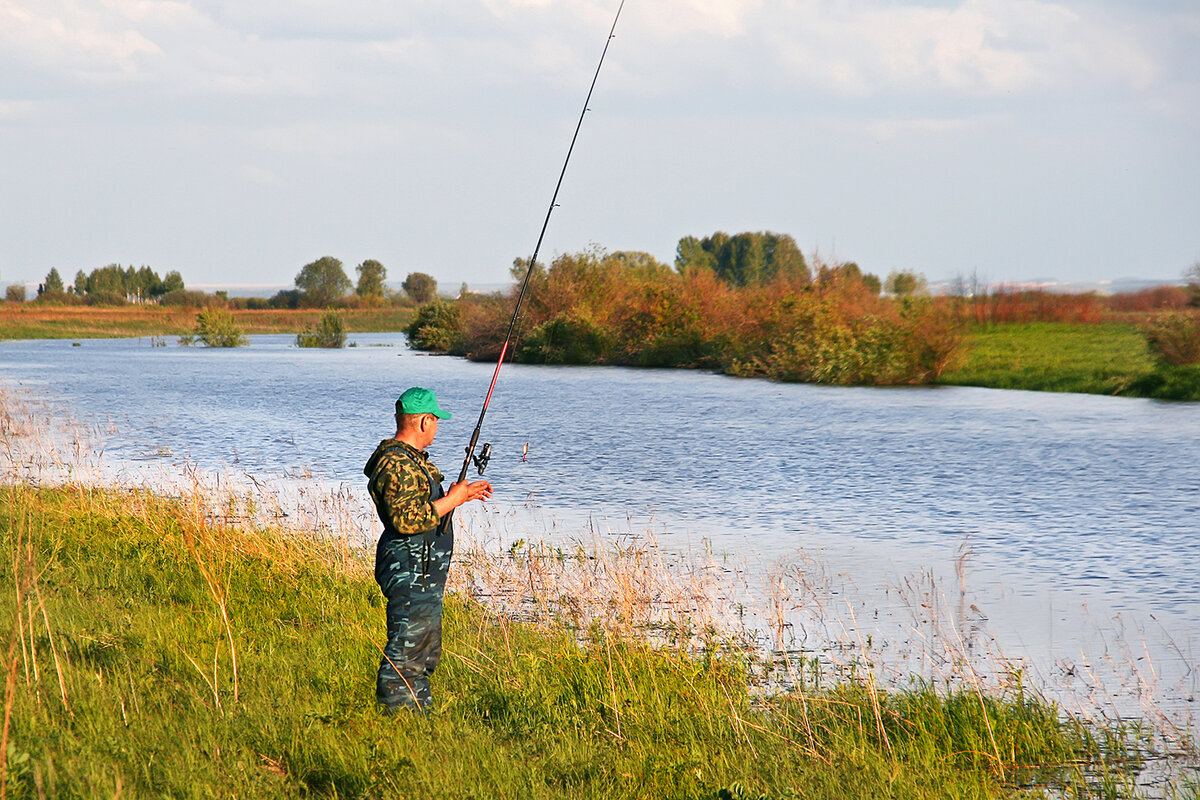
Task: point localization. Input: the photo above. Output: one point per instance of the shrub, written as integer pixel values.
(285, 298)
(437, 326)
(185, 298)
(215, 327)
(1174, 337)
(330, 331)
(1154, 299)
(572, 338)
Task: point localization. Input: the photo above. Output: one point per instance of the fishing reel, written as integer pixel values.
(484, 456)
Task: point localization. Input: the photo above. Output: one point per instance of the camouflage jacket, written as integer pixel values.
(400, 489)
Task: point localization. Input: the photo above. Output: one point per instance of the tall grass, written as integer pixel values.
(127, 614)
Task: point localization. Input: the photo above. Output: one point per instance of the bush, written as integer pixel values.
(215, 327)
(285, 298)
(1174, 337)
(572, 338)
(437, 326)
(15, 293)
(330, 331)
(185, 298)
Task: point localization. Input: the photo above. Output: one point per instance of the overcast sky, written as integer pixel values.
(237, 140)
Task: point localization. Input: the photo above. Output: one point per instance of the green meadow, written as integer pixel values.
(1093, 358)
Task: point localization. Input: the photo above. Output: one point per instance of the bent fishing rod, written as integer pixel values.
(481, 460)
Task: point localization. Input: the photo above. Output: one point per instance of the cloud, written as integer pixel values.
(96, 44)
(971, 48)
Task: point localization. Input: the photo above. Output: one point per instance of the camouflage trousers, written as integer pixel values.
(411, 571)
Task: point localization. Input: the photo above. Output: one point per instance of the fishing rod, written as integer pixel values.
(481, 460)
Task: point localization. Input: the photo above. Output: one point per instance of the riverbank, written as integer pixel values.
(27, 321)
(1091, 358)
(157, 651)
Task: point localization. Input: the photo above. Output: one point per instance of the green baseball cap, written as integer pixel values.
(420, 401)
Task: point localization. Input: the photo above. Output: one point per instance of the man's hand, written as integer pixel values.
(462, 492)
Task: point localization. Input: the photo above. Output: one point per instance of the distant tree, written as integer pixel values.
(109, 280)
(744, 259)
(54, 282)
(322, 282)
(285, 298)
(1192, 276)
(639, 260)
(905, 283)
(81, 283)
(371, 275)
(420, 287)
(15, 293)
(691, 254)
(172, 282)
(520, 267)
(848, 274)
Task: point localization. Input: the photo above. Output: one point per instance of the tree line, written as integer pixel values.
(324, 283)
(319, 284)
(112, 285)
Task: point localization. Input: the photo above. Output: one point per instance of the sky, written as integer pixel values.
(237, 140)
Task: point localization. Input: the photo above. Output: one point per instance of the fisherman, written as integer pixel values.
(413, 555)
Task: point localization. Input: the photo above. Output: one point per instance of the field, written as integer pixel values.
(26, 321)
(1098, 358)
(153, 651)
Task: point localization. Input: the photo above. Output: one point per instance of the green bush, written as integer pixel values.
(330, 331)
(15, 293)
(184, 298)
(1174, 337)
(215, 327)
(437, 326)
(570, 338)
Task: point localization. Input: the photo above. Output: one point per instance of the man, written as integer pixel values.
(413, 555)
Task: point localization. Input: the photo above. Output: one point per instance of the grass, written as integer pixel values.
(83, 322)
(153, 652)
(1103, 358)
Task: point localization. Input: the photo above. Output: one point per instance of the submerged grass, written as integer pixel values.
(1101, 358)
(151, 652)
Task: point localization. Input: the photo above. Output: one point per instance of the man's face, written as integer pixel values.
(429, 427)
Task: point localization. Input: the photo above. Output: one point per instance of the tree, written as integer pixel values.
(420, 287)
(371, 275)
(1192, 276)
(54, 282)
(80, 283)
(744, 259)
(905, 283)
(691, 254)
(172, 282)
(322, 282)
(15, 293)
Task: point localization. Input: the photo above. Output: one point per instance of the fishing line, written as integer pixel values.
(481, 460)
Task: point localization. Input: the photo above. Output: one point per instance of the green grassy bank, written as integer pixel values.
(1102, 358)
(151, 654)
